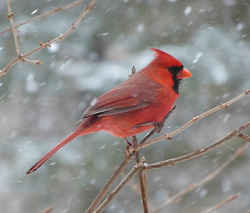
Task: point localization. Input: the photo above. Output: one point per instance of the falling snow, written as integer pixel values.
(226, 118)
(219, 74)
(140, 28)
(197, 57)
(52, 163)
(103, 34)
(188, 10)
(203, 192)
(54, 47)
(93, 181)
(240, 26)
(34, 12)
(31, 84)
(226, 185)
(229, 2)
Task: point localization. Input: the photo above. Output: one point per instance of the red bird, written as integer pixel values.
(135, 105)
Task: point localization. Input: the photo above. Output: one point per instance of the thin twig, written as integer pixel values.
(244, 137)
(223, 203)
(16, 38)
(204, 181)
(32, 61)
(137, 153)
(117, 188)
(194, 120)
(43, 45)
(13, 29)
(105, 189)
(45, 14)
(142, 177)
(195, 154)
(144, 191)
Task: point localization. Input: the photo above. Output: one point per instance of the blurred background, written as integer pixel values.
(40, 105)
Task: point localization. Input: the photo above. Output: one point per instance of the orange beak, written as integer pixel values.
(184, 73)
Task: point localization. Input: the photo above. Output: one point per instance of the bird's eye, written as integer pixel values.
(175, 69)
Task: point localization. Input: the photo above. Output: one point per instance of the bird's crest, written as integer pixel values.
(165, 59)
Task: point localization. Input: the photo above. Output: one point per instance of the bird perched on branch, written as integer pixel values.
(138, 104)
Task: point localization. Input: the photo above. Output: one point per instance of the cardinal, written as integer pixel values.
(136, 105)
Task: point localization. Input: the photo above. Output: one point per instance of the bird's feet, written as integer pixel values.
(159, 125)
(130, 148)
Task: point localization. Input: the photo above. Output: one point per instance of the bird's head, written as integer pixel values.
(170, 70)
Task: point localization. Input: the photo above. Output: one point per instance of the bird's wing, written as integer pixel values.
(119, 100)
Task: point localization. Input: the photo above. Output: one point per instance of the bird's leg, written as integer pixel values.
(135, 144)
(157, 126)
(128, 142)
(148, 135)
(129, 149)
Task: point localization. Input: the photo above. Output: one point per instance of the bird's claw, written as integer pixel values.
(129, 151)
(158, 126)
(128, 142)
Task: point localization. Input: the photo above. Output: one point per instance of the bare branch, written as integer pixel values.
(105, 189)
(194, 120)
(142, 177)
(244, 137)
(13, 29)
(45, 14)
(118, 188)
(223, 203)
(32, 61)
(143, 186)
(43, 45)
(195, 154)
(5, 70)
(204, 181)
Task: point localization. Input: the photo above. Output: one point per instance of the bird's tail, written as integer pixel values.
(53, 151)
(81, 130)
